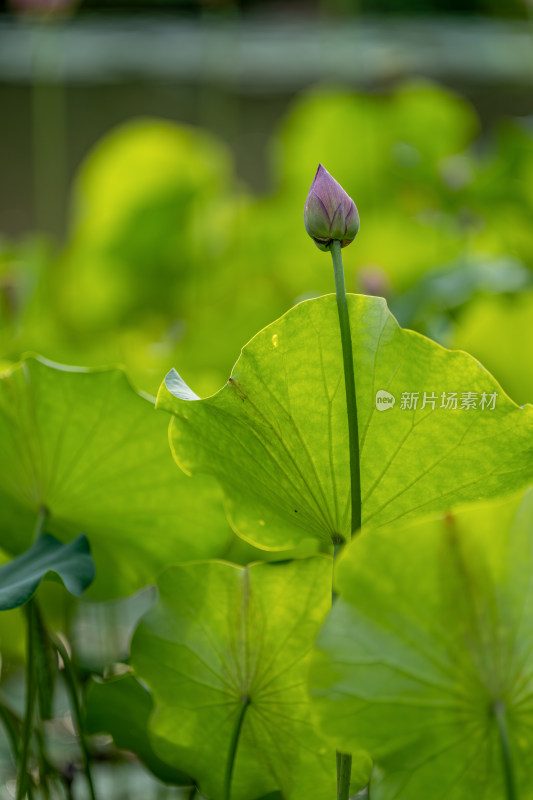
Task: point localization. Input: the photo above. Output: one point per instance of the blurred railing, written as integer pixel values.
(270, 53)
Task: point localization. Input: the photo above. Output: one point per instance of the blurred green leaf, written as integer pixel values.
(122, 707)
(408, 130)
(149, 206)
(223, 635)
(85, 446)
(431, 300)
(431, 636)
(71, 563)
(432, 119)
(275, 436)
(12, 636)
(497, 330)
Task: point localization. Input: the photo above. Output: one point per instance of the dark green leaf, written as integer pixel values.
(272, 796)
(71, 563)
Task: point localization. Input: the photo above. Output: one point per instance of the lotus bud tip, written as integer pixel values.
(329, 213)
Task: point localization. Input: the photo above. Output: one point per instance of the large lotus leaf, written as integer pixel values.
(47, 557)
(122, 707)
(221, 635)
(276, 435)
(431, 638)
(92, 451)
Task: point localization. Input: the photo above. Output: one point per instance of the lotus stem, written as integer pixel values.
(233, 749)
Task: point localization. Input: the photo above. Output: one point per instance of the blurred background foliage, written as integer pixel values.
(170, 260)
(489, 7)
(182, 240)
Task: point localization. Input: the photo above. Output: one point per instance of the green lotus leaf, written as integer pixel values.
(276, 435)
(47, 557)
(222, 636)
(121, 707)
(91, 450)
(428, 654)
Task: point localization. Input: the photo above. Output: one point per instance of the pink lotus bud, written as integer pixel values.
(329, 213)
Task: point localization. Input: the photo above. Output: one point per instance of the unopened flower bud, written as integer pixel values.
(329, 213)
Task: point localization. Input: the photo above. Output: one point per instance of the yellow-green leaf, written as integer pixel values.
(276, 435)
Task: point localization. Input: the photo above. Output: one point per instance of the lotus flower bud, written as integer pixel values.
(329, 213)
